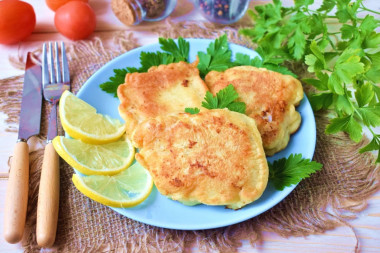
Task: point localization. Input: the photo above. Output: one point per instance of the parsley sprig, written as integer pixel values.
(288, 171)
(218, 57)
(172, 53)
(180, 52)
(114, 81)
(344, 59)
(245, 60)
(225, 98)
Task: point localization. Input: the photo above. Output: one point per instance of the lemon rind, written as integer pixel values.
(91, 138)
(68, 157)
(92, 194)
(77, 133)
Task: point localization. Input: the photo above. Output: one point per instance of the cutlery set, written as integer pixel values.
(50, 81)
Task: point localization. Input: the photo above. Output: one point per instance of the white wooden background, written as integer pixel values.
(342, 239)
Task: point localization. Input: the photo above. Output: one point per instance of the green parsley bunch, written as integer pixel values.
(345, 60)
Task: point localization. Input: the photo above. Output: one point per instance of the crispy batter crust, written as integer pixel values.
(162, 90)
(214, 157)
(270, 97)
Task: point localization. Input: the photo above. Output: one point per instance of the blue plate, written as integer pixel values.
(157, 210)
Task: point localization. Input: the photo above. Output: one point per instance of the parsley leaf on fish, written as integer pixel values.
(194, 110)
(225, 98)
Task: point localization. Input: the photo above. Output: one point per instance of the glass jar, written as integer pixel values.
(222, 11)
(133, 12)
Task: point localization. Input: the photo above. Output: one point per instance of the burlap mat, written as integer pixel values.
(324, 201)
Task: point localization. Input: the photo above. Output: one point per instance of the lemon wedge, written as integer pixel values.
(90, 159)
(80, 121)
(126, 189)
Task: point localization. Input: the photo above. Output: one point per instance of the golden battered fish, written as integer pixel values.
(162, 90)
(214, 157)
(270, 97)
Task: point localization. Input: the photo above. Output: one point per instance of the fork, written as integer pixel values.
(54, 84)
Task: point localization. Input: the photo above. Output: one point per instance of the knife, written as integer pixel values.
(30, 118)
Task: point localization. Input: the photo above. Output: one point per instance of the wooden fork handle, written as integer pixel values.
(17, 194)
(48, 198)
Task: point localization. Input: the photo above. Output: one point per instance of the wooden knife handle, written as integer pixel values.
(48, 198)
(17, 194)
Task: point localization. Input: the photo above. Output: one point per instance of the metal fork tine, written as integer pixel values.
(65, 65)
(57, 65)
(51, 69)
(45, 70)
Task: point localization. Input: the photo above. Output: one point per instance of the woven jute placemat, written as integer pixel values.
(324, 201)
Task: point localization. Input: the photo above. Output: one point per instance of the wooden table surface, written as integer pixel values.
(342, 239)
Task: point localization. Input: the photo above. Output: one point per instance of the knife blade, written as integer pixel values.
(30, 118)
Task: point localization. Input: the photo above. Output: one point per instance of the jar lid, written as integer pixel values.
(124, 11)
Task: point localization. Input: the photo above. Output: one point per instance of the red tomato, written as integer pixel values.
(75, 20)
(55, 4)
(17, 21)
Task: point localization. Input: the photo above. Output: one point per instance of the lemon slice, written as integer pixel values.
(126, 189)
(80, 121)
(90, 159)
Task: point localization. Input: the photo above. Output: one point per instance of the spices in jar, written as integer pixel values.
(223, 11)
(154, 8)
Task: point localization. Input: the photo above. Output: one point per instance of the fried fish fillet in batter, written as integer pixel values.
(270, 97)
(162, 90)
(214, 157)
